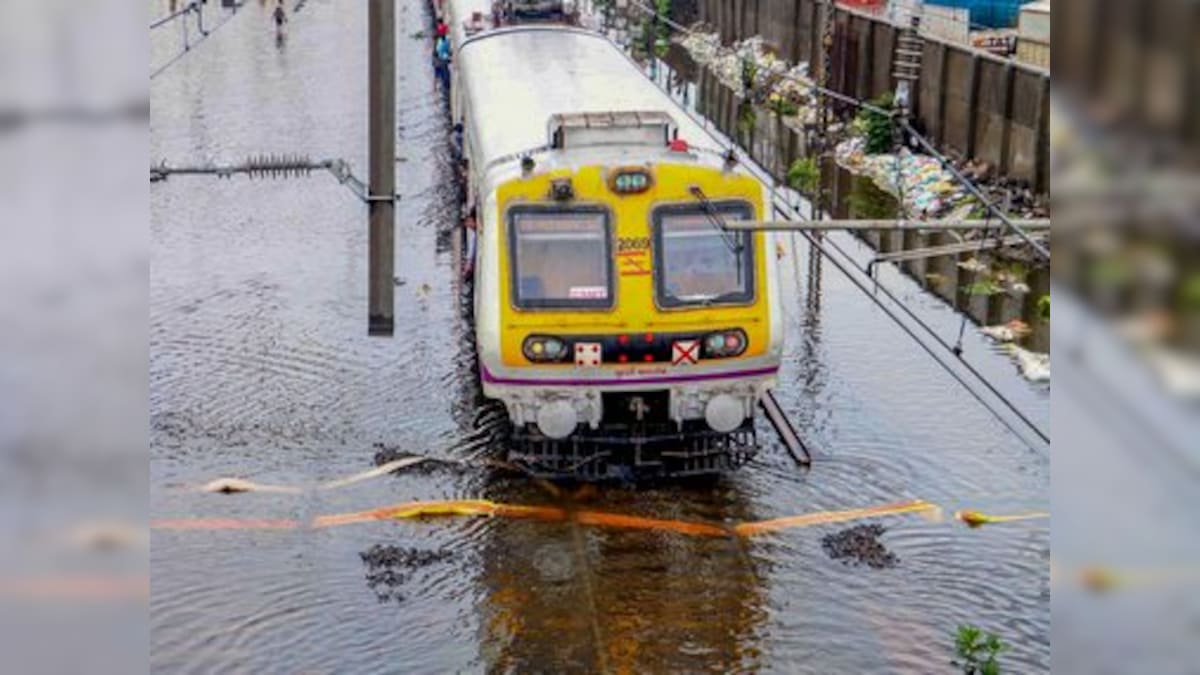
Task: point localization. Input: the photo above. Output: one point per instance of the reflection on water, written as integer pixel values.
(623, 600)
(261, 368)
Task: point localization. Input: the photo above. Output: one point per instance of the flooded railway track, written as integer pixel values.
(259, 370)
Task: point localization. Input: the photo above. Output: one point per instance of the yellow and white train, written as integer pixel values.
(626, 331)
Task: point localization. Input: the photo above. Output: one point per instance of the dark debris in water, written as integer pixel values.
(389, 567)
(859, 545)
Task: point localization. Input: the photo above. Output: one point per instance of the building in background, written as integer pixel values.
(1033, 34)
(985, 14)
(988, 25)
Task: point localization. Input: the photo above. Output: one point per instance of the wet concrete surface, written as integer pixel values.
(261, 368)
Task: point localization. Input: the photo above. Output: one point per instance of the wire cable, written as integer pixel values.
(188, 49)
(1040, 250)
(819, 244)
(819, 247)
(172, 16)
(879, 288)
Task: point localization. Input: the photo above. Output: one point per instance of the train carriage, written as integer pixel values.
(625, 330)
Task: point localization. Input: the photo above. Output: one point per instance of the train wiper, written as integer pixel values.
(714, 218)
(718, 223)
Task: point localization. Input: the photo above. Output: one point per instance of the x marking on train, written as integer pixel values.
(685, 352)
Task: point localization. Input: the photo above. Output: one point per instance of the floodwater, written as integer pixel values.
(260, 368)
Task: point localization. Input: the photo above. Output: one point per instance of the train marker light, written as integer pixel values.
(544, 349)
(678, 145)
(716, 342)
(725, 344)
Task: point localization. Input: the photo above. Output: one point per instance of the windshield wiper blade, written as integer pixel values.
(733, 242)
(718, 223)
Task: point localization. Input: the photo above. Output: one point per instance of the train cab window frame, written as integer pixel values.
(660, 238)
(589, 296)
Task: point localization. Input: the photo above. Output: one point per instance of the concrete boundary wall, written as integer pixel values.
(972, 103)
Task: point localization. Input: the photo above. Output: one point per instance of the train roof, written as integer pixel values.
(515, 79)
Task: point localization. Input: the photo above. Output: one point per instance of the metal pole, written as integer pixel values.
(381, 71)
(882, 225)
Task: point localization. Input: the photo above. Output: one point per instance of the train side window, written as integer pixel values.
(561, 258)
(696, 264)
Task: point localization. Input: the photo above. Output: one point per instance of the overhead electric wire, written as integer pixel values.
(172, 16)
(188, 48)
(933, 333)
(818, 245)
(988, 205)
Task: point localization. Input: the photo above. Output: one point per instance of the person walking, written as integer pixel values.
(280, 16)
(441, 58)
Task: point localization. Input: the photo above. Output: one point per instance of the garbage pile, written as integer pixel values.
(1022, 201)
(756, 74)
(926, 189)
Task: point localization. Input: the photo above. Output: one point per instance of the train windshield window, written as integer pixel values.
(561, 258)
(696, 263)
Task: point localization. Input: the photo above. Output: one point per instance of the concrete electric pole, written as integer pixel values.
(381, 71)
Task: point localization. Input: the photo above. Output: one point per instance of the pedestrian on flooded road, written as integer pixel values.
(280, 16)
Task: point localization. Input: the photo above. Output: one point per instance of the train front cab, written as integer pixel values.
(632, 329)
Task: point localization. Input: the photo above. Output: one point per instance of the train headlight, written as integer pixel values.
(725, 344)
(544, 349)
